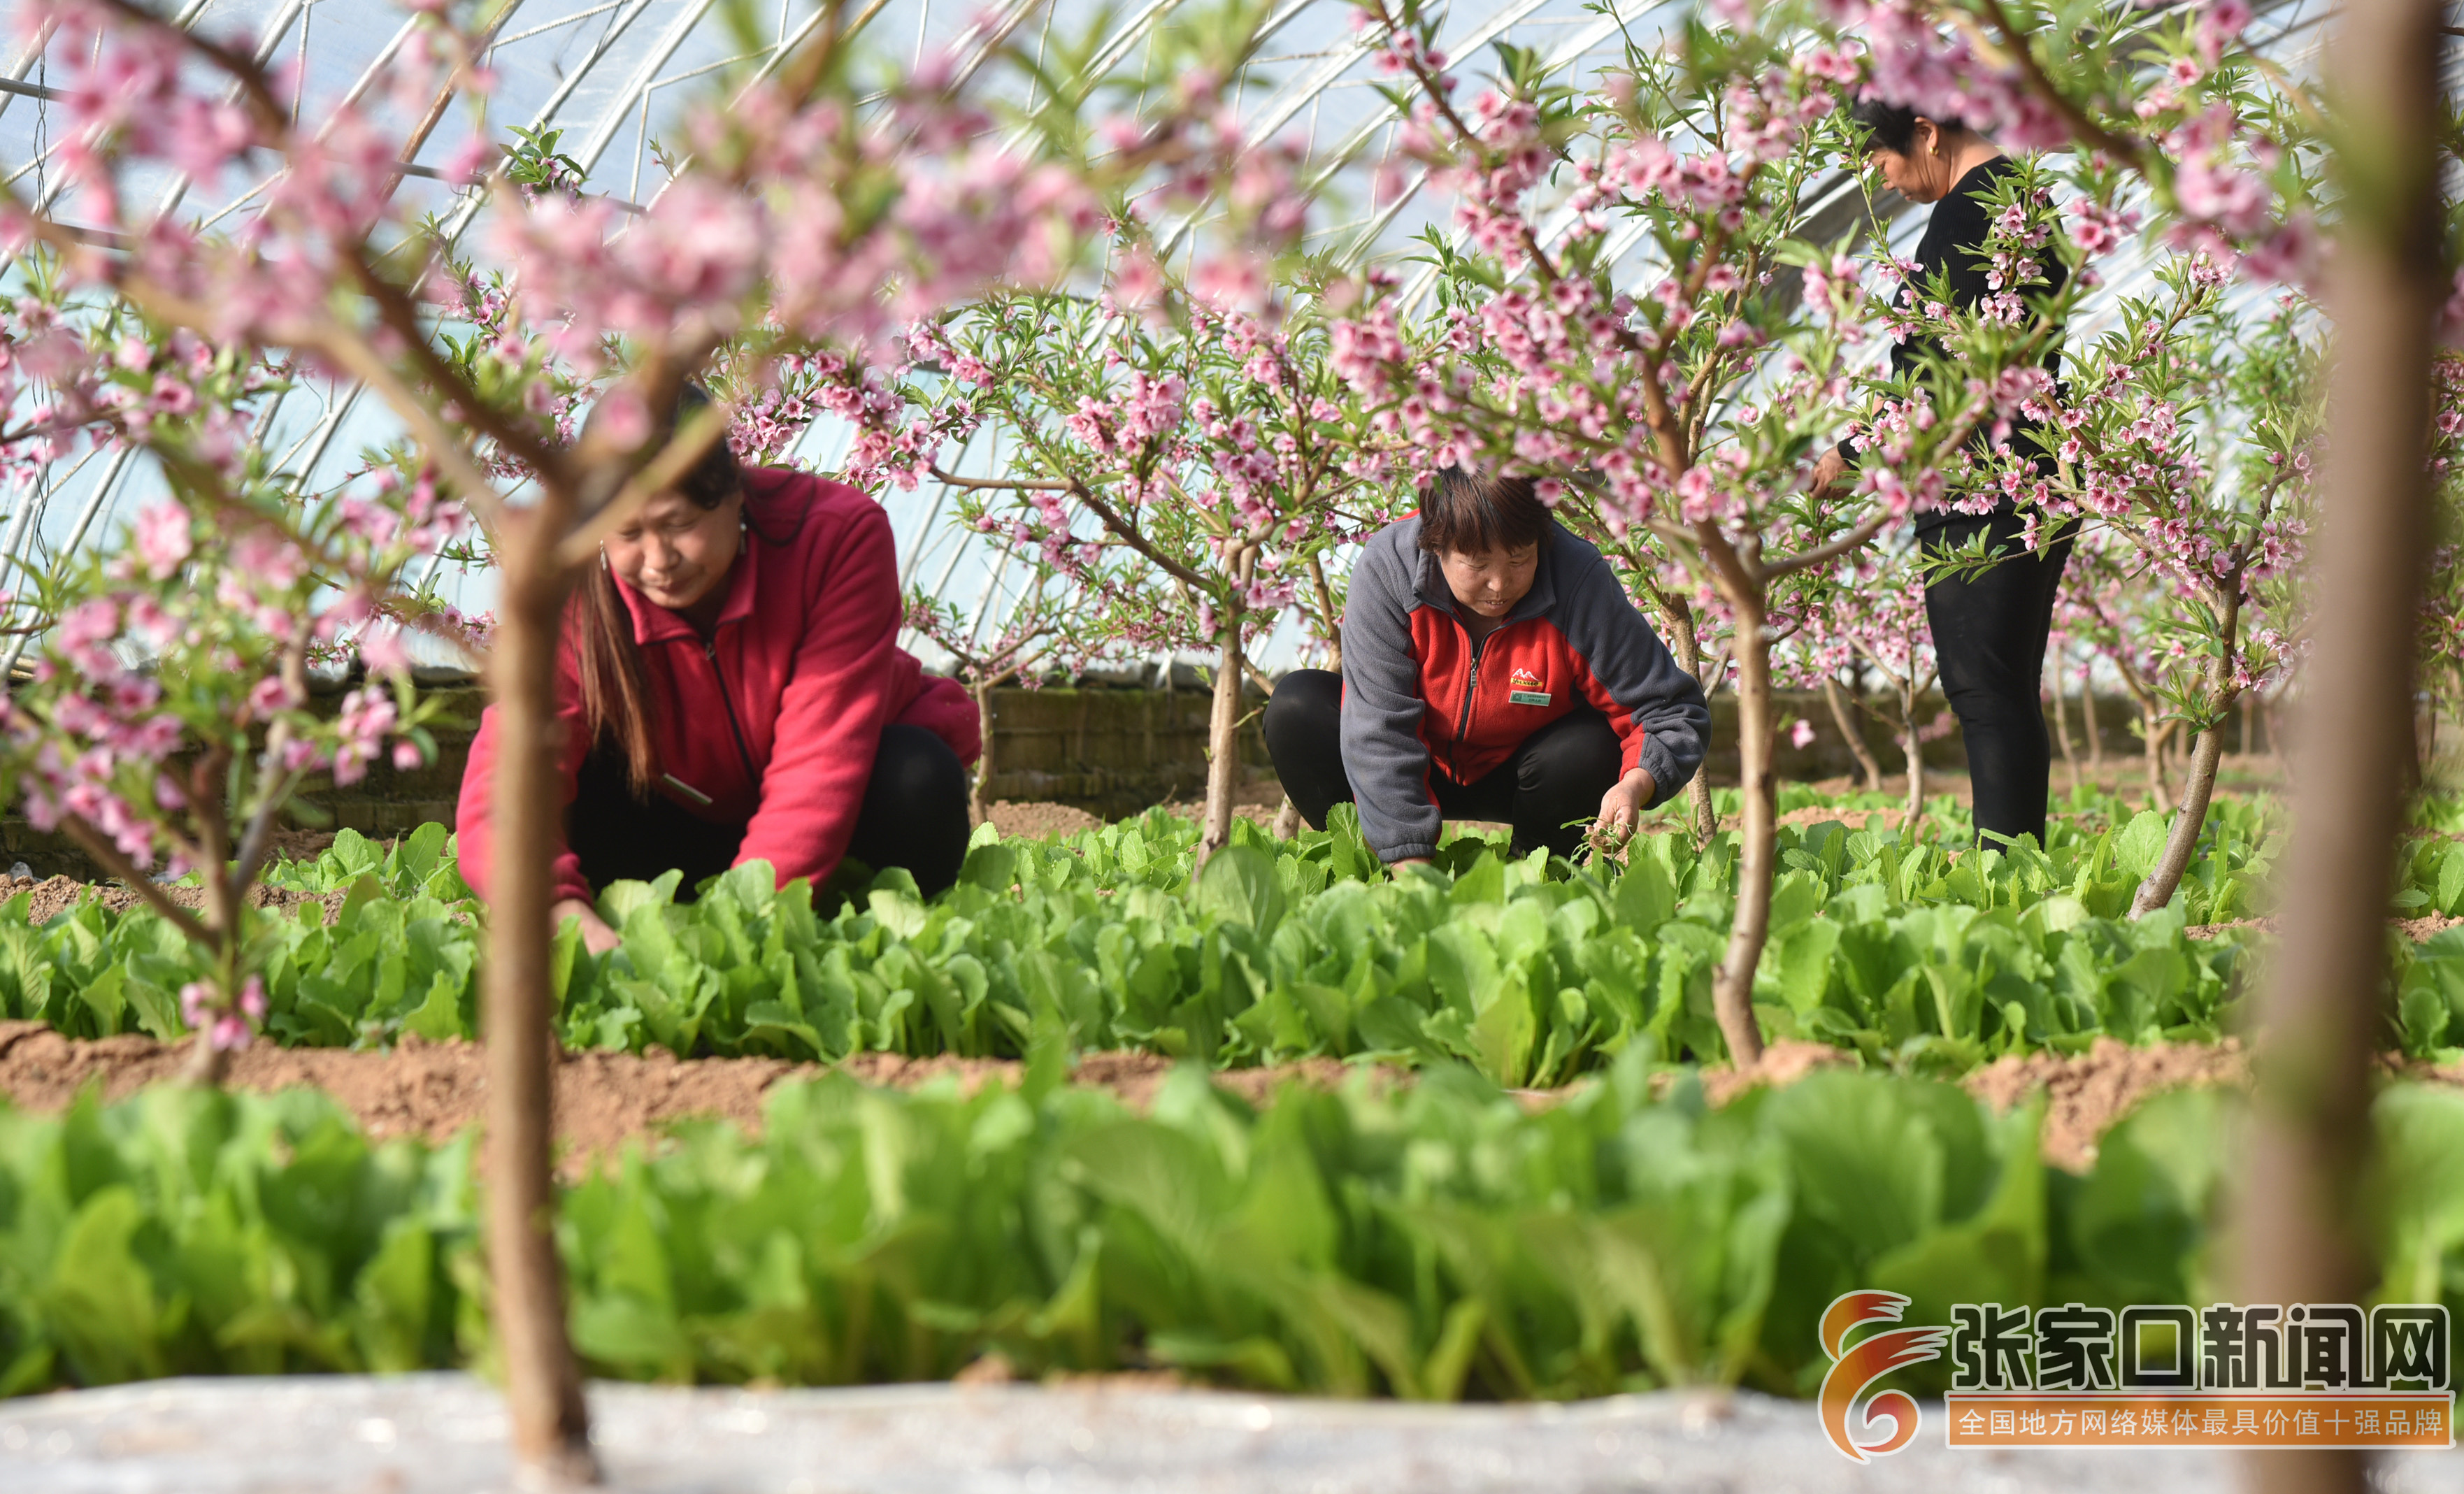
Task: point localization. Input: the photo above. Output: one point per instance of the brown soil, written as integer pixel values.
(1036, 821)
(2419, 930)
(1938, 780)
(1259, 800)
(303, 844)
(1785, 1062)
(2085, 1095)
(57, 895)
(1853, 818)
(602, 1100)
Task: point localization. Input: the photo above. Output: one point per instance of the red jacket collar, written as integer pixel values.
(653, 623)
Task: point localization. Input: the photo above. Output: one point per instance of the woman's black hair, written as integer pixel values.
(715, 477)
(616, 702)
(1473, 512)
(1893, 127)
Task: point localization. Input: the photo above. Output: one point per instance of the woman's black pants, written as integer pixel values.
(1990, 634)
(1550, 790)
(915, 815)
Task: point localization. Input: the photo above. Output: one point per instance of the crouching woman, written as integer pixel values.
(1493, 668)
(730, 689)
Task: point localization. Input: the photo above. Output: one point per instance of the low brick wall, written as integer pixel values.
(1112, 751)
(1107, 749)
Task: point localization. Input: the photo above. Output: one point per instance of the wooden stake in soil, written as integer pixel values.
(2320, 1007)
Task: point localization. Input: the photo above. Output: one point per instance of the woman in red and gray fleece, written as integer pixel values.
(1493, 668)
(731, 689)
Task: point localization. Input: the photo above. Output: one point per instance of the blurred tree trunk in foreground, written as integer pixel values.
(2320, 1013)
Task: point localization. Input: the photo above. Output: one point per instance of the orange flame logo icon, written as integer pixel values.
(1875, 1356)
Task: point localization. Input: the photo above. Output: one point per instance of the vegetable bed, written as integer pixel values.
(1532, 971)
(1902, 949)
(1439, 1241)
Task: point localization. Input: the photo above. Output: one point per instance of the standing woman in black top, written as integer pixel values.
(1988, 631)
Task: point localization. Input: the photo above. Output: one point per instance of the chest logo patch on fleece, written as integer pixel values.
(1526, 688)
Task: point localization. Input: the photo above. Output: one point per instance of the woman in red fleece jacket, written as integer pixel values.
(731, 690)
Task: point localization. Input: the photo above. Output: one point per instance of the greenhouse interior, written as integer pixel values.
(1231, 745)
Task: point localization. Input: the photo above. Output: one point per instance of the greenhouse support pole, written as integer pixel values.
(2321, 1011)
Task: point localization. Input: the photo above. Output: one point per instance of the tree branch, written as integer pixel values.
(1852, 540)
(96, 845)
(2126, 150)
(1003, 484)
(476, 490)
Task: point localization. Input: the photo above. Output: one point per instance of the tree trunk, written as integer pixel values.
(1854, 730)
(206, 1066)
(2321, 1006)
(2199, 781)
(1222, 745)
(2063, 730)
(542, 1383)
(1732, 987)
(2154, 734)
(980, 802)
(2095, 727)
(1913, 746)
(1326, 614)
(2198, 787)
(1689, 658)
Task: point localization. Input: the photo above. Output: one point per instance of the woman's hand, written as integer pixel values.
(1831, 470)
(1395, 868)
(1621, 807)
(596, 936)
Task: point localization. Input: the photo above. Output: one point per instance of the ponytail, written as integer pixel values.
(616, 704)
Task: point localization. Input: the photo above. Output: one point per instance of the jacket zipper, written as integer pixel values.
(1471, 691)
(710, 652)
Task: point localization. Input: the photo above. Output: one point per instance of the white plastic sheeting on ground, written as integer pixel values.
(432, 1433)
